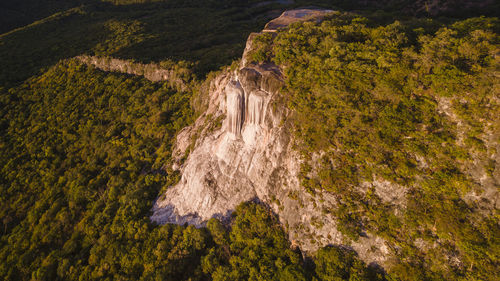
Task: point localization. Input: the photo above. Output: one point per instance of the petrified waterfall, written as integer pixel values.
(234, 163)
(243, 108)
(255, 108)
(235, 106)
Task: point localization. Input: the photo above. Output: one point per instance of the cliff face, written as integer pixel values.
(250, 157)
(234, 163)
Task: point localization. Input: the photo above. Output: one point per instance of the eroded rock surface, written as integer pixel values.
(232, 164)
(250, 157)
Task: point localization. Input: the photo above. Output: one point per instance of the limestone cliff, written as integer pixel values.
(250, 157)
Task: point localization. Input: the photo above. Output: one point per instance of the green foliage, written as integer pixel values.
(382, 103)
(261, 47)
(336, 264)
(14, 13)
(256, 248)
(82, 152)
(259, 248)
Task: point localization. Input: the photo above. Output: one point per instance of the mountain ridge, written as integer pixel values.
(253, 154)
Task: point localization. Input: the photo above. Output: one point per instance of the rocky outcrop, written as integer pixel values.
(235, 163)
(250, 156)
(289, 17)
(152, 71)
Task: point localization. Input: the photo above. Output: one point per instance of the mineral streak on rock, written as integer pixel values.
(235, 107)
(255, 108)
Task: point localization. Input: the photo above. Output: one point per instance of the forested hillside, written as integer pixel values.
(413, 104)
(84, 152)
(80, 169)
(82, 163)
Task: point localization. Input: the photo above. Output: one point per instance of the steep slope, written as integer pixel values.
(251, 157)
(380, 138)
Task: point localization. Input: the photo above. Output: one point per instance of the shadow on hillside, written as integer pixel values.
(142, 32)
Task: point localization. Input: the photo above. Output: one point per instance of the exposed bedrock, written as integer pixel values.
(152, 71)
(250, 156)
(234, 163)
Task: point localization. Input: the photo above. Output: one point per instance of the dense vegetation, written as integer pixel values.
(14, 13)
(81, 164)
(80, 169)
(85, 153)
(413, 103)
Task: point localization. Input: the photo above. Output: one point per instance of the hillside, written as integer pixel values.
(359, 134)
(176, 140)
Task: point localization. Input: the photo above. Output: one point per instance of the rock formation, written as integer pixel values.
(152, 71)
(292, 16)
(250, 157)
